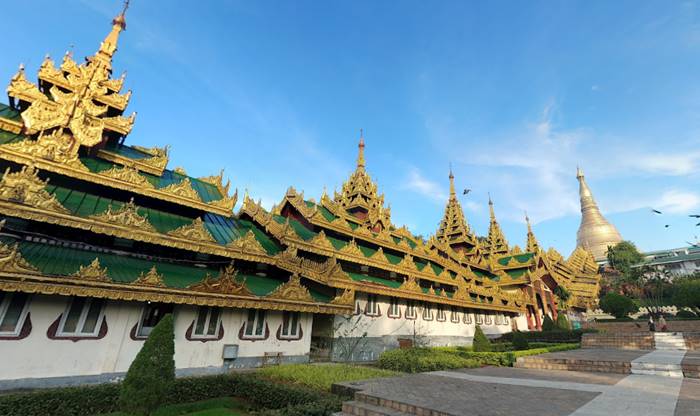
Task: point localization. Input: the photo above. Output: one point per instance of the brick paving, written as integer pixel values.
(551, 375)
(689, 399)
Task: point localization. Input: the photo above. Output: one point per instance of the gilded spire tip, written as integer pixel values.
(361, 151)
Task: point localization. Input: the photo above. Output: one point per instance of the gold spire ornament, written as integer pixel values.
(454, 229)
(595, 233)
(532, 245)
(496, 240)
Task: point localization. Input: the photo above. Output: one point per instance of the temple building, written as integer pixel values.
(100, 240)
(595, 233)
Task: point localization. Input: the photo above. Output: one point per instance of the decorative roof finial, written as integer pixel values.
(109, 45)
(361, 152)
(579, 172)
(452, 182)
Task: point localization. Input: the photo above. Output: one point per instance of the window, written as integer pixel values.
(152, 314)
(506, 320)
(454, 316)
(427, 313)
(498, 319)
(410, 309)
(467, 317)
(13, 310)
(487, 319)
(394, 310)
(358, 308)
(291, 329)
(208, 321)
(255, 324)
(441, 313)
(372, 307)
(479, 319)
(82, 318)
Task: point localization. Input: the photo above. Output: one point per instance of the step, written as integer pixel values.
(358, 408)
(662, 373)
(655, 366)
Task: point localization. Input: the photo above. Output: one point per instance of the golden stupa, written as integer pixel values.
(595, 233)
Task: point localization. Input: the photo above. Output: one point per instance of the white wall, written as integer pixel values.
(37, 356)
(383, 325)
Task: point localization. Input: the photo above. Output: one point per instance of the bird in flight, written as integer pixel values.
(466, 191)
(667, 225)
(655, 211)
(694, 215)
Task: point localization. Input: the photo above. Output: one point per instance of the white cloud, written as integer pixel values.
(677, 202)
(416, 182)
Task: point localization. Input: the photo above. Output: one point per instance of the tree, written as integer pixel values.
(152, 372)
(623, 256)
(686, 292)
(519, 341)
(547, 323)
(617, 305)
(481, 342)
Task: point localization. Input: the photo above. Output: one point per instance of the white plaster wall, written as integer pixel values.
(356, 325)
(37, 356)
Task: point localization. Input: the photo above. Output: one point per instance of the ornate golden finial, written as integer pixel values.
(453, 227)
(361, 151)
(109, 45)
(595, 233)
(452, 183)
(532, 245)
(496, 241)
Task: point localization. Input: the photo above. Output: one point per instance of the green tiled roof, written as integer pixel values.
(485, 274)
(520, 258)
(372, 279)
(516, 273)
(64, 261)
(6, 137)
(7, 112)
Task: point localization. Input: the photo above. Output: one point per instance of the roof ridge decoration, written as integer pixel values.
(292, 290)
(183, 188)
(247, 243)
(595, 232)
(128, 174)
(345, 298)
(226, 283)
(196, 231)
(25, 187)
(360, 198)
(11, 260)
(151, 278)
(532, 245)
(496, 240)
(410, 284)
(127, 215)
(454, 229)
(79, 98)
(93, 272)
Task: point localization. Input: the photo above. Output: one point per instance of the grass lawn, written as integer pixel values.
(224, 406)
(322, 376)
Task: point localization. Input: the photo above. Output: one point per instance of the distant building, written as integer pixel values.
(595, 234)
(678, 261)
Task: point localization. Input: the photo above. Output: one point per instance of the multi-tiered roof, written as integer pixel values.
(86, 214)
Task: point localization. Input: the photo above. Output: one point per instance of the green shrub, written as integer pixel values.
(481, 343)
(322, 377)
(152, 372)
(519, 341)
(617, 305)
(562, 322)
(68, 401)
(556, 336)
(324, 407)
(417, 360)
(547, 324)
(684, 313)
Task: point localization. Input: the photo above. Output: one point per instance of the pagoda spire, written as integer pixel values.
(595, 233)
(532, 246)
(109, 45)
(497, 243)
(361, 152)
(454, 229)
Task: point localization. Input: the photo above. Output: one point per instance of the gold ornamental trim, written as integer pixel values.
(66, 286)
(155, 164)
(150, 278)
(226, 283)
(94, 272)
(128, 174)
(247, 243)
(345, 298)
(11, 260)
(26, 188)
(183, 189)
(292, 290)
(11, 125)
(127, 215)
(195, 231)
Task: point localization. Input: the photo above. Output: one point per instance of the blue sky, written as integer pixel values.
(514, 94)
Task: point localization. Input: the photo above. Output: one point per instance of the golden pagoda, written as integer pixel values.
(595, 233)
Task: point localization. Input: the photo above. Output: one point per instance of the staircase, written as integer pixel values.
(669, 341)
(367, 405)
(666, 359)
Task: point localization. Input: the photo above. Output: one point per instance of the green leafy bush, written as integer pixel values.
(322, 377)
(617, 305)
(519, 341)
(324, 407)
(481, 343)
(152, 372)
(556, 336)
(68, 401)
(417, 360)
(547, 324)
(684, 313)
(562, 322)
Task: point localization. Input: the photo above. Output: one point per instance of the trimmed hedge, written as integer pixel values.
(519, 341)
(418, 360)
(92, 400)
(481, 342)
(507, 359)
(556, 336)
(548, 324)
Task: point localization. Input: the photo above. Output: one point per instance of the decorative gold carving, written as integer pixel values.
(11, 260)
(196, 231)
(25, 187)
(410, 284)
(151, 278)
(408, 263)
(292, 290)
(94, 272)
(247, 243)
(345, 298)
(352, 249)
(127, 215)
(183, 189)
(56, 146)
(128, 174)
(226, 283)
(321, 241)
